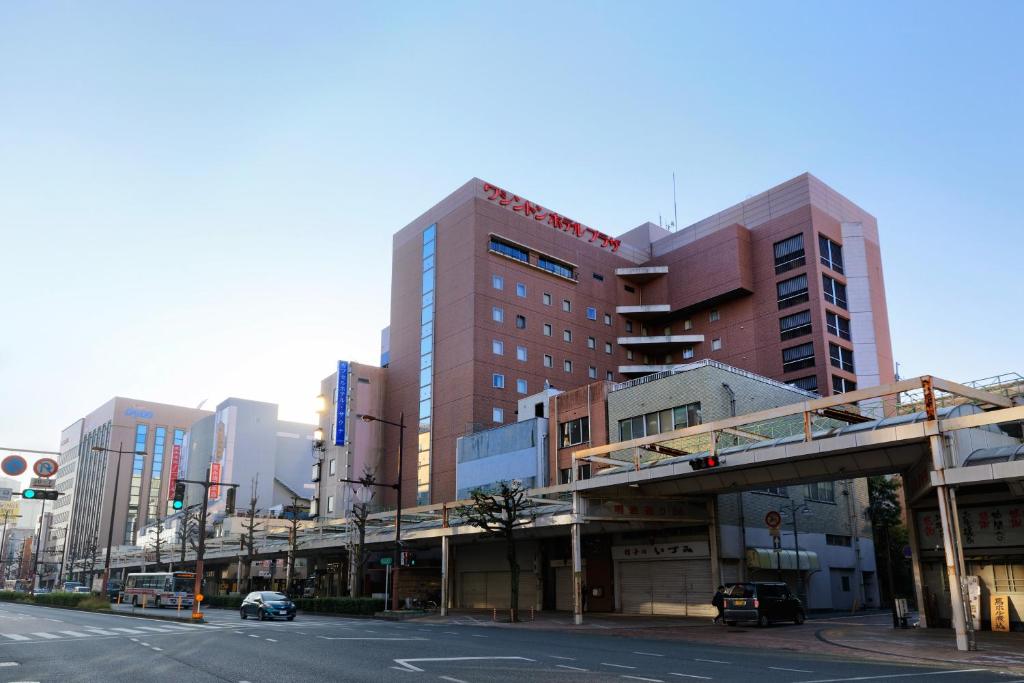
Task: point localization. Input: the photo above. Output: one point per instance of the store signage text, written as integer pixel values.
(680, 550)
(138, 412)
(528, 209)
(988, 527)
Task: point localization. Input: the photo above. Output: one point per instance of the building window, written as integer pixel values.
(607, 347)
(629, 354)
(835, 291)
(567, 365)
(591, 313)
(521, 353)
(426, 362)
(574, 432)
(599, 277)
(629, 289)
(497, 415)
(566, 305)
(608, 375)
(687, 352)
(591, 343)
(835, 539)
(687, 324)
(840, 357)
(521, 386)
(796, 325)
(592, 372)
(549, 362)
(659, 422)
(713, 316)
(774, 491)
(498, 347)
(792, 291)
(629, 326)
(498, 381)
(520, 289)
(520, 322)
(789, 253)
(822, 491)
(330, 504)
(797, 357)
(809, 383)
(547, 329)
(607, 319)
(716, 344)
(546, 298)
(567, 335)
(553, 266)
(509, 250)
(831, 254)
(497, 315)
(837, 325)
(498, 282)
(332, 466)
(841, 385)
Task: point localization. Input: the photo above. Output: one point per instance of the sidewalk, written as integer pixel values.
(861, 636)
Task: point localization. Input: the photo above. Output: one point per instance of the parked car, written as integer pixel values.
(40, 591)
(267, 605)
(113, 590)
(763, 603)
(81, 589)
(70, 586)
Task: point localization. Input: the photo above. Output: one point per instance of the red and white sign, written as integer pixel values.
(215, 478)
(173, 475)
(530, 210)
(45, 467)
(773, 519)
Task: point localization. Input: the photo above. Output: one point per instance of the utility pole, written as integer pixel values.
(201, 546)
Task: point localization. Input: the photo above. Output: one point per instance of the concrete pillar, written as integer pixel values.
(577, 562)
(949, 544)
(915, 563)
(713, 541)
(445, 550)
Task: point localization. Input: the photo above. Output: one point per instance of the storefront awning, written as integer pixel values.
(766, 558)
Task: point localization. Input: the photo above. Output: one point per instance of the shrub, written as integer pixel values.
(227, 601)
(14, 596)
(340, 605)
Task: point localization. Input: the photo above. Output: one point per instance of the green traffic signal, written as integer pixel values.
(28, 493)
(177, 504)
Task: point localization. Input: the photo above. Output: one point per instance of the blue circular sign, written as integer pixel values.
(14, 465)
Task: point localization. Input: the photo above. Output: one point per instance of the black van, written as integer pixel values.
(762, 602)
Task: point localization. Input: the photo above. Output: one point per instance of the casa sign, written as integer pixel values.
(538, 213)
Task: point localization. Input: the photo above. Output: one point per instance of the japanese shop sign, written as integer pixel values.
(530, 210)
(994, 526)
(663, 551)
(637, 509)
(1000, 613)
(173, 474)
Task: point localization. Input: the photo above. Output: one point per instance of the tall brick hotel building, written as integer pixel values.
(495, 297)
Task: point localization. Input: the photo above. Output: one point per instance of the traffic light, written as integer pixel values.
(408, 558)
(39, 494)
(179, 496)
(705, 462)
(229, 503)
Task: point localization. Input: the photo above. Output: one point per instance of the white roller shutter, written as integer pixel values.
(635, 587)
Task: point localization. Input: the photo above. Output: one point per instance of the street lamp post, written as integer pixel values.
(396, 560)
(792, 509)
(113, 504)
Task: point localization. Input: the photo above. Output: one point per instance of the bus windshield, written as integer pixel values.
(183, 585)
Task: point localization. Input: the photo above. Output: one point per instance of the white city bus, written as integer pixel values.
(160, 589)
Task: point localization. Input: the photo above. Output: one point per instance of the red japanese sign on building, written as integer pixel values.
(173, 475)
(215, 478)
(530, 210)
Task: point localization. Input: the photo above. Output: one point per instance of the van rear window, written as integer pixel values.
(741, 590)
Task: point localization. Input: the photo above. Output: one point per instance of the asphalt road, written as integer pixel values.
(47, 644)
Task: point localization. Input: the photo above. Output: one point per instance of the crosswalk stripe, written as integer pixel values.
(100, 631)
(47, 636)
(14, 636)
(151, 628)
(76, 634)
(133, 631)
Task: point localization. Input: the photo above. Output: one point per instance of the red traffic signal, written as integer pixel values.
(704, 462)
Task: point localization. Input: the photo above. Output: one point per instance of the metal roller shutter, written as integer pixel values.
(491, 590)
(563, 589)
(474, 589)
(699, 589)
(668, 579)
(635, 587)
(668, 587)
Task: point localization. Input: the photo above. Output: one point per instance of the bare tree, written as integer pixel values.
(158, 543)
(248, 540)
(359, 514)
(293, 543)
(188, 530)
(499, 514)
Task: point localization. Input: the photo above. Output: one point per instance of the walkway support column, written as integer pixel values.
(445, 550)
(915, 562)
(949, 542)
(577, 562)
(713, 544)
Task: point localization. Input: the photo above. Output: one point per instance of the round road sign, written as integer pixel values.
(773, 519)
(45, 467)
(199, 597)
(14, 465)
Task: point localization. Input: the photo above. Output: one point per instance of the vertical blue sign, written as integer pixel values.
(341, 401)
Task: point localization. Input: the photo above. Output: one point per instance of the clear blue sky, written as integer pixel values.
(197, 199)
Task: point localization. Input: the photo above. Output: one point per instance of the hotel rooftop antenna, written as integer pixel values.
(675, 207)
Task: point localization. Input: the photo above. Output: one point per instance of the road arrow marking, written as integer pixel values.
(406, 666)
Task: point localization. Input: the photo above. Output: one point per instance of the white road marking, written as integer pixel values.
(47, 636)
(99, 631)
(134, 640)
(372, 638)
(477, 635)
(253, 635)
(617, 666)
(76, 634)
(875, 678)
(705, 678)
(640, 678)
(453, 680)
(568, 659)
(271, 640)
(144, 644)
(799, 671)
(151, 628)
(406, 666)
(125, 630)
(14, 636)
(712, 661)
(566, 666)
(648, 654)
(158, 649)
(8, 664)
